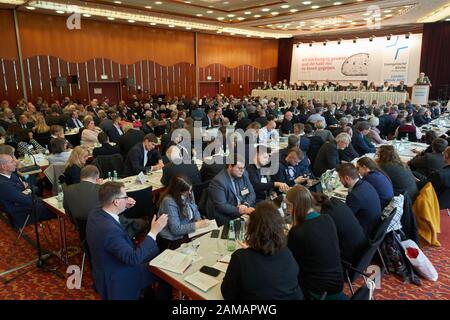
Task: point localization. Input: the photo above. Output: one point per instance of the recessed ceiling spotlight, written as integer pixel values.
(353, 23)
(388, 15)
(285, 6)
(315, 7)
(231, 15)
(209, 11)
(148, 7)
(241, 18)
(265, 9)
(60, 12)
(153, 23)
(171, 26)
(118, 2)
(220, 18)
(257, 16)
(188, 28)
(199, 15)
(447, 19)
(131, 21)
(158, 2)
(293, 10)
(187, 2)
(87, 15)
(247, 12)
(387, 11)
(249, 35)
(337, 3)
(31, 8)
(274, 13)
(111, 18)
(306, 3)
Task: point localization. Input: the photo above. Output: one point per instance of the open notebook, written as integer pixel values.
(201, 281)
(173, 261)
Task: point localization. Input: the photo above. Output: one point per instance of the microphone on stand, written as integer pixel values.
(33, 167)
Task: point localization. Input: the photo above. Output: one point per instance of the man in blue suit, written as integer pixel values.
(73, 121)
(119, 268)
(359, 142)
(15, 195)
(362, 198)
(143, 155)
(230, 193)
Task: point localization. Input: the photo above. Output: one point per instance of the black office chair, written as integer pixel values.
(144, 206)
(109, 163)
(353, 272)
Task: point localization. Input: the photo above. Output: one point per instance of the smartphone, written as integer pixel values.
(210, 271)
(215, 233)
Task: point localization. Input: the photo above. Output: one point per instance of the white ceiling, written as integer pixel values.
(260, 18)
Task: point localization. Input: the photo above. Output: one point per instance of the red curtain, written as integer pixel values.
(435, 57)
(284, 58)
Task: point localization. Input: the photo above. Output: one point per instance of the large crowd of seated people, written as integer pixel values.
(306, 262)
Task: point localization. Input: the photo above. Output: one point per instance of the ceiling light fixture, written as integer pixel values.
(315, 7)
(285, 6)
(87, 15)
(148, 7)
(60, 11)
(306, 3)
(131, 21)
(31, 8)
(147, 18)
(293, 10)
(274, 13)
(257, 16)
(265, 9)
(247, 12)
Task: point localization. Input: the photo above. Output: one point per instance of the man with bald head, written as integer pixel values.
(287, 126)
(15, 195)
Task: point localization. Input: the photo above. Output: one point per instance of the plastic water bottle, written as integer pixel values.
(109, 176)
(47, 152)
(231, 241)
(60, 196)
(115, 175)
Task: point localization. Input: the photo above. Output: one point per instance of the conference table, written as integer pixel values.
(334, 96)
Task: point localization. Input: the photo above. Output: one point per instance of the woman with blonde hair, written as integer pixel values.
(314, 243)
(89, 136)
(76, 162)
(41, 130)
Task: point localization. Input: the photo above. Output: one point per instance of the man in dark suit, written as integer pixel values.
(177, 167)
(360, 144)
(73, 121)
(106, 149)
(119, 268)
(441, 182)
(112, 128)
(328, 156)
(401, 87)
(362, 198)
(15, 194)
(143, 155)
(293, 167)
(131, 137)
(209, 119)
(287, 126)
(429, 162)
(299, 131)
(230, 193)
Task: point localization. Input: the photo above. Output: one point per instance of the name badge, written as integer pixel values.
(263, 179)
(244, 192)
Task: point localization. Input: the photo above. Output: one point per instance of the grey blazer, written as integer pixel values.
(80, 199)
(222, 198)
(177, 226)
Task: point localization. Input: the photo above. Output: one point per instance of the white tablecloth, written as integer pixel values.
(334, 96)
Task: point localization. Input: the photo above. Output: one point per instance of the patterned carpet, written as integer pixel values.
(38, 284)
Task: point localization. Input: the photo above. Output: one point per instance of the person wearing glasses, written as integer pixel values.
(230, 193)
(15, 194)
(119, 267)
(178, 203)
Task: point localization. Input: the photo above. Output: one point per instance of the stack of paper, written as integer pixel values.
(201, 281)
(221, 266)
(225, 259)
(211, 226)
(172, 261)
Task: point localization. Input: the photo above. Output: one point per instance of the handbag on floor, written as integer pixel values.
(419, 260)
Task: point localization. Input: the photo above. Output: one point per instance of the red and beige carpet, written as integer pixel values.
(38, 284)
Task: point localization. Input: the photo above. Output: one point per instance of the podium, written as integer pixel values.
(420, 94)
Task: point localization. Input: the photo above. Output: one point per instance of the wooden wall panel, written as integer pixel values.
(122, 43)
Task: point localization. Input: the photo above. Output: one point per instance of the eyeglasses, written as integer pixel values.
(240, 168)
(120, 198)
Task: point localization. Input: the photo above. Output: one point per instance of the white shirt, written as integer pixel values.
(265, 135)
(6, 176)
(145, 155)
(118, 129)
